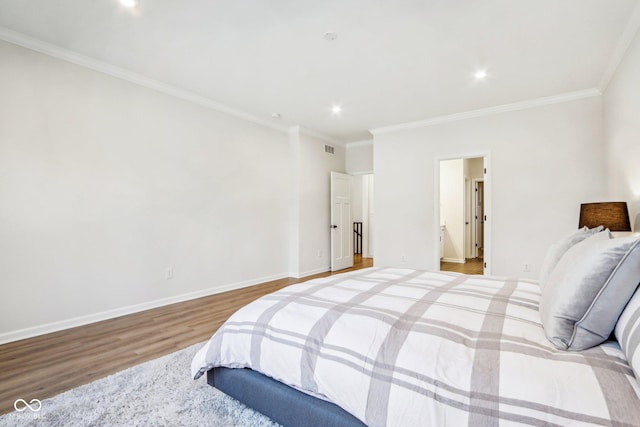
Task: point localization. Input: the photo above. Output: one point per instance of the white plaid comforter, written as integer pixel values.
(401, 347)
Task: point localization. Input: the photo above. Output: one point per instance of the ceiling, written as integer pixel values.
(393, 62)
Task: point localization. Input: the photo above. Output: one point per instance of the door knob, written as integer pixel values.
(334, 226)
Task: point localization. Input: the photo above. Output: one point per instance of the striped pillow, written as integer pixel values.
(628, 332)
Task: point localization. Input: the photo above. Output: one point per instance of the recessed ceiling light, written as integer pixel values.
(276, 116)
(336, 109)
(129, 3)
(480, 74)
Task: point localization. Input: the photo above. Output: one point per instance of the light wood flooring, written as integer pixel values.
(471, 266)
(44, 366)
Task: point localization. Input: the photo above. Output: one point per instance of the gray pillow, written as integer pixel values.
(628, 333)
(588, 290)
(559, 248)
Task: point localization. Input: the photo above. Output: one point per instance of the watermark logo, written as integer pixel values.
(21, 405)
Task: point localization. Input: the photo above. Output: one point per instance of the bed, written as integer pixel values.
(398, 347)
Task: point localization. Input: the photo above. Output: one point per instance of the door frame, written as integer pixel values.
(367, 214)
(468, 221)
(474, 232)
(488, 228)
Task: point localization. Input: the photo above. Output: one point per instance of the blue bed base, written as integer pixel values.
(283, 404)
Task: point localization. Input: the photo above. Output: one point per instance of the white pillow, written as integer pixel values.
(559, 248)
(588, 290)
(628, 332)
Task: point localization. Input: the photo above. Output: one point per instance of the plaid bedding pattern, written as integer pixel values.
(398, 347)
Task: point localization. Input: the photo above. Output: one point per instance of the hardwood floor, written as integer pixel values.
(41, 367)
(471, 266)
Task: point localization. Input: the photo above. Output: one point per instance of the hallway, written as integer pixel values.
(471, 266)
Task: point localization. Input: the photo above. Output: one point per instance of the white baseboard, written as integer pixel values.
(48, 328)
(456, 260)
(300, 275)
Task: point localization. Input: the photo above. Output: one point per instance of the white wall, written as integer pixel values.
(544, 162)
(622, 130)
(363, 209)
(311, 249)
(452, 209)
(359, 162)
(359, 157)
(104, 184)
(473, 172)
(358, 198)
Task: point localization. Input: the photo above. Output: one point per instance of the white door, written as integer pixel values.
(341, 224)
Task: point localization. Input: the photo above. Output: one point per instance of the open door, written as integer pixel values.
(479, 218)
(341, 228)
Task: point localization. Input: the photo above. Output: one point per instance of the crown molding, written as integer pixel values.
(37, 45)
(625, 40)
(312, 133)
(499, 109)
(359, 143)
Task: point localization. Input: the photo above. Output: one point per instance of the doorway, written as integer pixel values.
(462, 201)
(364, 214)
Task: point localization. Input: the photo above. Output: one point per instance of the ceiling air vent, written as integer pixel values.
(328, 149)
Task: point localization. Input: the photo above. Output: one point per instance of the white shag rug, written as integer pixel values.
(160, 392)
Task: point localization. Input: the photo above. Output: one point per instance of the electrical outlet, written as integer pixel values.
(319, 253)
(526, 267)
(168, 273)
(403, 259)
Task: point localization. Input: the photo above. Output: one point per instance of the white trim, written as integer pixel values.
(309, 273)
(48, 328)
(359, 143)
(294, 130)
(123, 74)
(320, 136)
(438, 255)
(618, 53)
(538, 102)
(467, 210)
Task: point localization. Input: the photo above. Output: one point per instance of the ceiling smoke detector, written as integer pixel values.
(330, 36)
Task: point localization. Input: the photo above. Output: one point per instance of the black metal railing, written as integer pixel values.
(357, 238)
